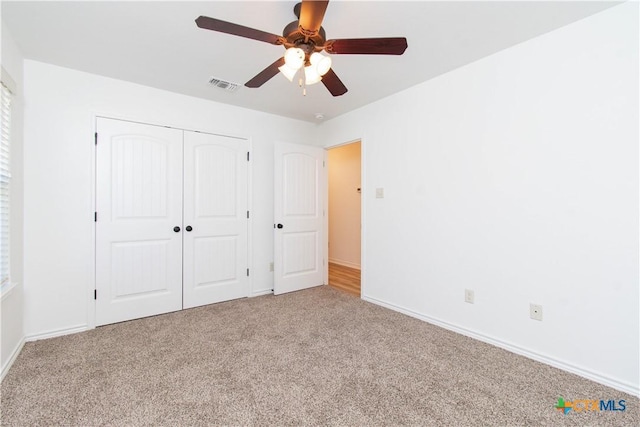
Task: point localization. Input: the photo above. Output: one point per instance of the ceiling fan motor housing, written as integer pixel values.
(295, 37)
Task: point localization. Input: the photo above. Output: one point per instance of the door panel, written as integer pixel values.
(299, 174)
(299, 184)
(301, 248)
(140, 169)
(139, 269)
(215, 206)
(138, 203)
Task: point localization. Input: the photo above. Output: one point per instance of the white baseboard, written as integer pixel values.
(344, 263)
(57, 333)
(14, 356)
(556, 363)
(261, 292)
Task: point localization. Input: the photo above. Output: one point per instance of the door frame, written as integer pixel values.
(363, 209)
(91, 285)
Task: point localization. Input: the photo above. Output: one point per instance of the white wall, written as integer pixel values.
(59, 227)
(11, 304)
(344, 204)
(515, 176)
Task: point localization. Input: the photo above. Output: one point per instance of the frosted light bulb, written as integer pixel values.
(311, 76)
(320, 62)
(288, 72)
(294, 57)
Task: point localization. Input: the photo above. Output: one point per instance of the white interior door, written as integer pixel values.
(215, 219)
(138, 204)
(298, 252)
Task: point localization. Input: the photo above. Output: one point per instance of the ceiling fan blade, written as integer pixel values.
(332, 82)
(312, 14)
(237, 30)
(381, 46)
(263, 76)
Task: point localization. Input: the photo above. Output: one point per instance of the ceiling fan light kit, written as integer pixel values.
(311, 76)
(304, 39)
(320, 62)
(315, 66)
(288, 72)
(294, 57)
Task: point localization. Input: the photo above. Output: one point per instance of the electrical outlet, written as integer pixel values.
(270, 266)
(468, 296)
(535, 311)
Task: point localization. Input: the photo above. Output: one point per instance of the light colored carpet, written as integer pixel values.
(315, 357)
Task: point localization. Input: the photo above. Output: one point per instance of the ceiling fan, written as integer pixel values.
(304, 39)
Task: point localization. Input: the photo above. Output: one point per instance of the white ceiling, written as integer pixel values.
(156, 43)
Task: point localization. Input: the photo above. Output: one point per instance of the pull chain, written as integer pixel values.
(303, 84)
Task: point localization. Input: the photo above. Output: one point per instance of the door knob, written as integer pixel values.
(176, 229)
(279, 225)
(189, 228)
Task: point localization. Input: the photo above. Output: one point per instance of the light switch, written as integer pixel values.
(379, 193)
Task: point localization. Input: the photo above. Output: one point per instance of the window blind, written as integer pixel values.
(5, 178)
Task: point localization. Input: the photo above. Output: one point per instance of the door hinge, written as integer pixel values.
(247, 272)
(95, 294)
(95, 217)
(247, 156)
(247, 214)
(95, 140)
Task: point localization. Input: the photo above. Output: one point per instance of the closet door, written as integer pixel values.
(215, 219)
(139, 220)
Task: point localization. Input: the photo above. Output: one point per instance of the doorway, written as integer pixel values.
(345, 206)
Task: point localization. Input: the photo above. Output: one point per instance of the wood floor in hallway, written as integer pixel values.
(346, 279)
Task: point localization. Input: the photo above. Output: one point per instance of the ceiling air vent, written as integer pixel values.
(223, 84)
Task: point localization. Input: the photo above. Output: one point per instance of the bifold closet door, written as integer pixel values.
(215, 219)
(139, 220)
